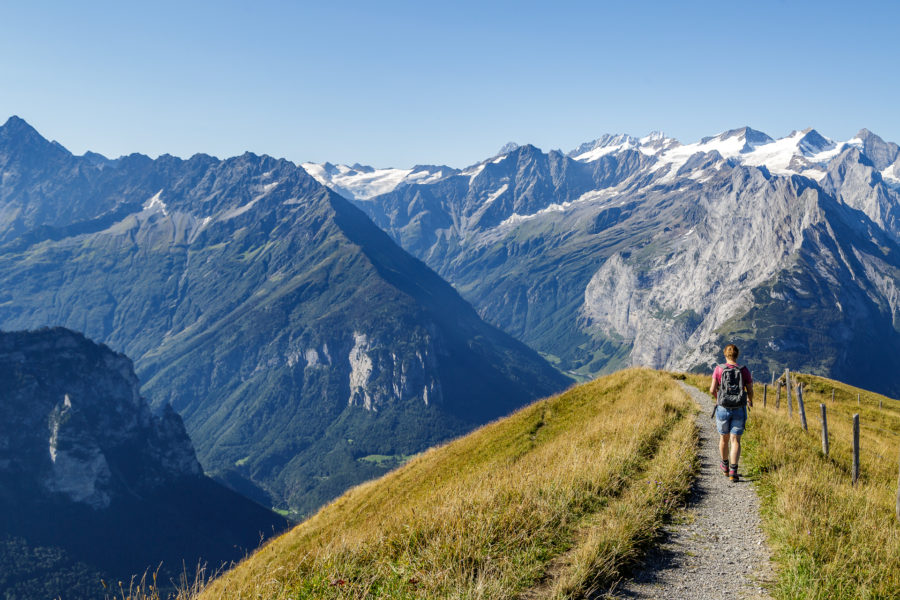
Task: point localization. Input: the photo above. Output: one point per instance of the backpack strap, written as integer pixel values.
(716, 403)
(721, 368)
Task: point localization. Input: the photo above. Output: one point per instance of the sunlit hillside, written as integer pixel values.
(551, 501)
(562, 497)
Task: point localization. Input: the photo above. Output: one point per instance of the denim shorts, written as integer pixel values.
(731, 420)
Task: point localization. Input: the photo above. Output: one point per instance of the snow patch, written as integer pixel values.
(891, 175)
(596, 153)
(364, 183)
(312, 357)
(155, 203)
(497, 194)
(236, 212)
(594, 196)
(473, 172)
(424, 177)
(316, 171)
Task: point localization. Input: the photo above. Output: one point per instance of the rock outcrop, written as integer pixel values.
(73, 419)
(93, 483)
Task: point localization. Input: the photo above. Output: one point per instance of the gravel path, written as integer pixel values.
(718, 550)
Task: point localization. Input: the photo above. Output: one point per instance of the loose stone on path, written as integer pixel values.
(719, 551)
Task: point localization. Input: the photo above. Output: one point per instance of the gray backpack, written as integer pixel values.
(731, 387)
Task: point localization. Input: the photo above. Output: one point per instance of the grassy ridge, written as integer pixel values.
(830, 539)
(551, 501)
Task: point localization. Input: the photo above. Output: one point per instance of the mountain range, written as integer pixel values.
(646, 251)
(303, 348)
(306, 351)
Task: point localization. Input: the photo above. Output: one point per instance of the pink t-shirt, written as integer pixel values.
(745, 373)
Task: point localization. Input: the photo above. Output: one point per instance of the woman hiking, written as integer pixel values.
(732, 391)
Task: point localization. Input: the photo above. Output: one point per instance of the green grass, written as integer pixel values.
(386, 460)
(830, 540)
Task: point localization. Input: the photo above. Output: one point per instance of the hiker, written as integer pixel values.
(732, 391)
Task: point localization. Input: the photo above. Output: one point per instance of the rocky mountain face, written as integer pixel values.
(303, 348)
(83, 459)
(648, 251)
(87, 399)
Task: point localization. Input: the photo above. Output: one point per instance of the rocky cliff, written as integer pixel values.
(94, 484)
(73, 420)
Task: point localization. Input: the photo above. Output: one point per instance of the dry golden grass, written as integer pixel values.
(554, 499)
(148, 586)
(614, 536)
(830, 539)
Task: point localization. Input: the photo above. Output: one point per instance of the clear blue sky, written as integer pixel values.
(398, 83)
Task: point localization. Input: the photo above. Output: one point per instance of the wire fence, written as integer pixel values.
(786, 382)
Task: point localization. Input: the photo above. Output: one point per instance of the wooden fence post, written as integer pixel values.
(790, 402)
(855, 448)
(765, 394)
(898, 497)
(832, 395)
(857, 400)
(778, 396)
(879, 404)
(801, 406)
(824, 430)
(787, 390)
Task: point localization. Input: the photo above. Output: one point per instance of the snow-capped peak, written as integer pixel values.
(653, 137)
(606, 144)
(362, 182)
(507, 148)
(813, 143)
(650, 144)
(805, 152)
(748, 138)
(655, 140)
(801, 152)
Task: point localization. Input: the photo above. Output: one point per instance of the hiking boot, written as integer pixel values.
(724, 466)
(733, 473)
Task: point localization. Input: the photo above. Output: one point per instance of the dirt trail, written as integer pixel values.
(719, 550)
